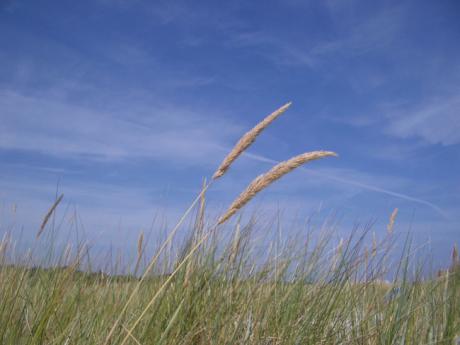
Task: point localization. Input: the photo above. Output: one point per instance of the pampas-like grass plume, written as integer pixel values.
(246, 140)
(374, 245)
(391, 223)
(264, 180)
(455, 260)
(48, 215)
(140, 242)
(140, 251)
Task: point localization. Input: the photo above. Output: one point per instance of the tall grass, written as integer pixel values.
(219, 289)
(307, 290)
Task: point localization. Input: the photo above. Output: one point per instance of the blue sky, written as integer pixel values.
(128, 105)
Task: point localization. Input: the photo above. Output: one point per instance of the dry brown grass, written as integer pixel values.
(264, 180)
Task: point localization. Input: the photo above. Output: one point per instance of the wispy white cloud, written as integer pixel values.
(156, 130)
(436, 121)
(371, 35)
(273, 48)
(433, 120)
(348, 37)
(393, 151)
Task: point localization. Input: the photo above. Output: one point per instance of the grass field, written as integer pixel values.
(302, 292)
(216, 289)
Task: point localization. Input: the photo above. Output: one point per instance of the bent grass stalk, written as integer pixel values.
(153, 261)
(131, 335)
(167, 281)
(242, 145)
(258, 184)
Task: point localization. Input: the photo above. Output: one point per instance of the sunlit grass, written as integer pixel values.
(307, 291)
(219, 289)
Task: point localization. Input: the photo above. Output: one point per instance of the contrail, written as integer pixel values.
(354, 183)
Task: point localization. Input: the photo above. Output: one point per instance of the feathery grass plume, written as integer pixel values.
(140, 251)
(199, 223)
(339, 248)
(268, 178)
(374, 245)
(247, 139)
(391, 223)
(366, 263)
(244, 142)
(48, 215)
(455, 260)
(198, 230)
(235, 244)
(140, 242)
(67, 254)
(4, 244)
(338, 254)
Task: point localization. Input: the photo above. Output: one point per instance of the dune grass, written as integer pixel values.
(306, 291)
(220, 289)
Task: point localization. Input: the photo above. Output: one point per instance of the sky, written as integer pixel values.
(126, 106)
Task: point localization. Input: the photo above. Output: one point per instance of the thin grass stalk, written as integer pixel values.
(171, 323)
(131, 335)
(167, 281)
(242, 144)
(198, 230)
(153, 261)
(235, 245)
(258, 184)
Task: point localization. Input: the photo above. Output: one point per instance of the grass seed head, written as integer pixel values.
(264, 180)
(246, 140)
(140, 242)
(455, 260)
(48, 215)
(391, 223)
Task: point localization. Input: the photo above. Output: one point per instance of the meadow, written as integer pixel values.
(217, 286)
